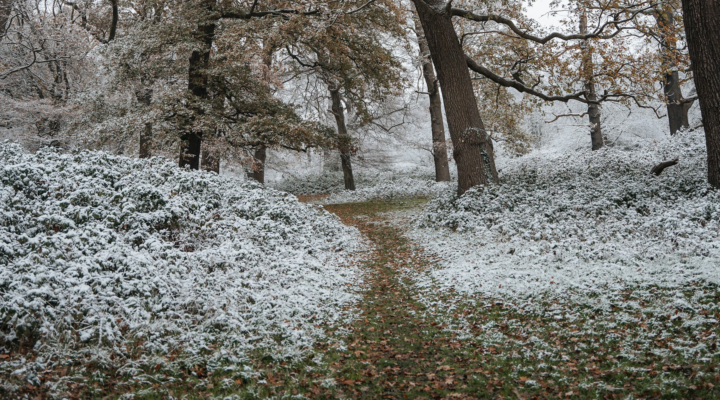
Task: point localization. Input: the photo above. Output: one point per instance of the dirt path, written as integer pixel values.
(394, 352)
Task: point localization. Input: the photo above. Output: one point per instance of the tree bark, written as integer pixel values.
(658, 169)
(677, 107)
(596, 136)
(472, 147)
(144, 97)
(703, 37)
(114, 22)
(5, 9)
(259, 171)
(344, 139)
(439, 149)
(198, 85)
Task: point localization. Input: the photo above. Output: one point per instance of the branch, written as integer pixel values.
(658, 169)
(558, 116)
(555, 35)
(260, 14)
(520, 87)
(361, 7)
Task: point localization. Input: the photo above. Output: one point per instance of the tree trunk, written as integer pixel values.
(344, 139)
(677, 108)
(259, 171)
(5, 10)
(439, 149)
(198, 85)
(330, 161)
(472, 148)
(144, 97)
(596, 137)
(114, 22)
(209, 162)
(703, 37)
(260, 156)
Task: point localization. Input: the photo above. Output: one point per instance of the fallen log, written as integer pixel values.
(658, 169)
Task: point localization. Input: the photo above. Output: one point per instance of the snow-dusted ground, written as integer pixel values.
(369, 186)
(102, 256)
(571, 231)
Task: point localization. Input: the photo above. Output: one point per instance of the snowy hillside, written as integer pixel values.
(124, 262)
(574, 230)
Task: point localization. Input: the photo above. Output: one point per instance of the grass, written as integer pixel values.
(478, 348)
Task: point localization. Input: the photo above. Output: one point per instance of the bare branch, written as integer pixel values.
(598, 34)
(579, 96)
(558, 116)
(658, 169)
(361, 7)
(260, 14)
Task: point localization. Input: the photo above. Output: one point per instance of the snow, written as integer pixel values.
(370, 185)
(101, 255)
(581, 230)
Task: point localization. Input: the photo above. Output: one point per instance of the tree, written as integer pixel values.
(5, 10)
(560, 66)
(437, 128)
(350, 56)
(472, 148)
(703, 37)
(588, 72)
(669, 28)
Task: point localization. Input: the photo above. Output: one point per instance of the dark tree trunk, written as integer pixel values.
(113, 24)
(190, 151)
(144, 97)
(472, 148)
(259, 171)
(198, 85)
(677, 107)
(439, 149)
(703, 37)
(596, 136)
(344, 139)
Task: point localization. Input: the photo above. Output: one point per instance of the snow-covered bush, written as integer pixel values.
(369, 186)
(400, 187)
(104, 255)
(581, 223)
(312, 184)
(583, 257)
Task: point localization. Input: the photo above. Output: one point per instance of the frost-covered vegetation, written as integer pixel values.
(370, 186)
(604, 259)
(128, 263)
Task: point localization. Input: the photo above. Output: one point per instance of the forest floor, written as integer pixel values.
(398, 349)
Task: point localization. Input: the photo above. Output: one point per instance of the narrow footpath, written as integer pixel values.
(394, 352)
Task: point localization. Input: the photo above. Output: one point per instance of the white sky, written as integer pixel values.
(540, 11)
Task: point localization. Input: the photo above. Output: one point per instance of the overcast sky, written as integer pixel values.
(540, 11)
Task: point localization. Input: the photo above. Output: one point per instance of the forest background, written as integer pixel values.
(274, 90)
